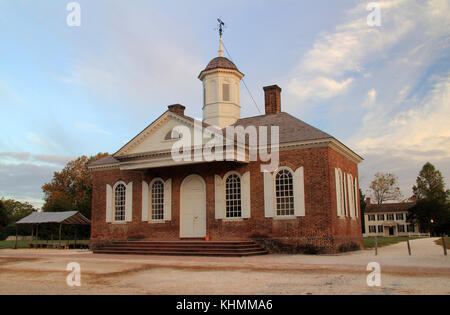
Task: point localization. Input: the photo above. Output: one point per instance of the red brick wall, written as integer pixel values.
(320, 225)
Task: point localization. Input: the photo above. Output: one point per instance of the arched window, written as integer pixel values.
(233, 196)
(173, 135)
(119, 202)
(157, 200)
(284, 185)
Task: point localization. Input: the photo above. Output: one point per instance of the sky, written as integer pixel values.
(67, 91)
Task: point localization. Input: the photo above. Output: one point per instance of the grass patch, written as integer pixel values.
(369, 242)
(26, 244)
(447, 242)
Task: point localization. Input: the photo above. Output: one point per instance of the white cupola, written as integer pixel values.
(221, 91)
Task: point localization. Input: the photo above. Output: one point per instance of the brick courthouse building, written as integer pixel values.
(311, 200)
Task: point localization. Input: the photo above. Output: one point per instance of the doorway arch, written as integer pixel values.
(193, 207)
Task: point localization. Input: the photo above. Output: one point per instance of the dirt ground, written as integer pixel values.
(427, 271)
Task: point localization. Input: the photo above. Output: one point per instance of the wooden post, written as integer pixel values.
(37, 233)
(17, 228)
(31, 240)
(376, 246)
(75, 238)
(444, 245)
(409, 245)
(60, 232)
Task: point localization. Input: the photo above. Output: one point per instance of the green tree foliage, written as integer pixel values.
(4, 220)
(431, 185)
(432, 210)
(385, 188)
(17, 210)
(13, 211)
(71, 188)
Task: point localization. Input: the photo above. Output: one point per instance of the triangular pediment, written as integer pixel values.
(154, 137)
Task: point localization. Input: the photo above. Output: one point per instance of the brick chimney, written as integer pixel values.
(273, 99)
(177, 109)
(368, 201)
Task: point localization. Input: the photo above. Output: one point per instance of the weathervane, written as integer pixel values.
(220, 27)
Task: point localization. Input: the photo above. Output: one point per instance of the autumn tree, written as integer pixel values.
(71, 188)
(385, 188)
(432, 211)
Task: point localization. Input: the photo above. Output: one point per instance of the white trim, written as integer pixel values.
(338, 192)
(150, 200)
(129, 203)
(182, 204)
(168, 200)
(274, 178)
(268, 195)
(144, 201)
(113, 218)
(357, 201)
(109, 200)
(219, 197)
(224, 191)
(246, 196)
(350, 195)
(299, 192)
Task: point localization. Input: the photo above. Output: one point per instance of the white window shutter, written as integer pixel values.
(344, 184)
(299, 193)
(219, 198)
(245, 189)
(168, 200)
(356, 198)
(268, 195)
(109, 206)
(129, 203)
(144, 201)
(351, 192)
(338, 192)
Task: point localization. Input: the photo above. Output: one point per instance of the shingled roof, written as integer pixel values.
(292, 129)
(107, 160)
(69, 217)
(389, 207)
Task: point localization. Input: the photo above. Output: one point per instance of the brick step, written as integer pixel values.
(181, 249)
(185, 243)
(180, 253)
(182, 246)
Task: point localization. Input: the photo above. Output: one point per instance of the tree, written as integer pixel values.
(71, 188)
(17, 210)
(4, 220)
(385, 188)
(432, 211)
(431, 185)
(14, 211)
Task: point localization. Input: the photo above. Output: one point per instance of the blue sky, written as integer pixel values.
(68, 91)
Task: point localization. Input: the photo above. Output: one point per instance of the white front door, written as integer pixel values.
(193, 207)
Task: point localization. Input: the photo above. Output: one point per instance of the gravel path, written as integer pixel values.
(427, 271)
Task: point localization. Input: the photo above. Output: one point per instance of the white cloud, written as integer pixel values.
(339, 57)
(423, 128)
(404, 142)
